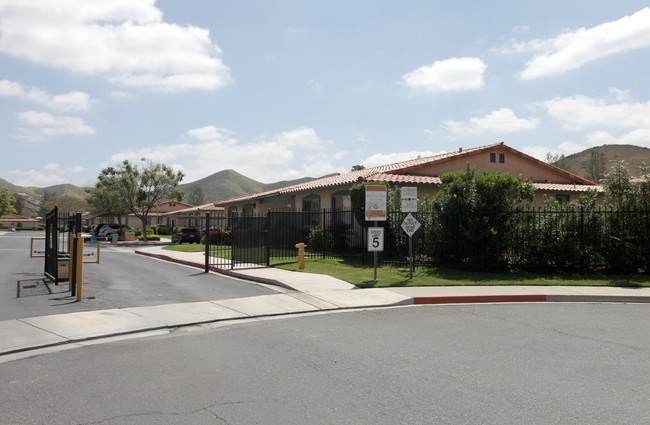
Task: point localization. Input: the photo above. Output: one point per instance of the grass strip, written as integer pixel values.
(394, 276)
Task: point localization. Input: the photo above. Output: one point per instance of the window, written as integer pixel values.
(311, 209)
(341, 200)
(562, 199)
(248, 209)
(493, 157)
(502, 158)
(232, 210)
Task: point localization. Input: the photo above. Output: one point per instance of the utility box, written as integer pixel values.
(63, 269)
(114, 237)
(129, 236)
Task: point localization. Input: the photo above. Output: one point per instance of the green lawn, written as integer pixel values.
(354, 272)
(186, 247)
(390, 276)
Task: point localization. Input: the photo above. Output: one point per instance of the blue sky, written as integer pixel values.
(285, 89)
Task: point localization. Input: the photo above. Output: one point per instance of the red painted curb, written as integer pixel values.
(479, 299)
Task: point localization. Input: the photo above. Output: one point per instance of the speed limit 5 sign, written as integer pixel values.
(375, 239)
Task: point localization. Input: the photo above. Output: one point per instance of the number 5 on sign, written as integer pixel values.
(375, 239)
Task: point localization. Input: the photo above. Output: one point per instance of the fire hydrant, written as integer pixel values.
(301, 255)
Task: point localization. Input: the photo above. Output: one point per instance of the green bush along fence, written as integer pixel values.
(566, 239)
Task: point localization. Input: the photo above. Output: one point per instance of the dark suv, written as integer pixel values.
(186, 234)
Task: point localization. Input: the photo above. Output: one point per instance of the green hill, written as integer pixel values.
(38, 193)
(229, 184)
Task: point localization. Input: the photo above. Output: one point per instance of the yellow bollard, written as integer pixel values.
(301, 255)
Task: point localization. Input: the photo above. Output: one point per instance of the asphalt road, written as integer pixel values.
(121, 279)
(462, 364)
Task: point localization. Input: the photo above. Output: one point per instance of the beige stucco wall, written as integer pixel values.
(513, 164)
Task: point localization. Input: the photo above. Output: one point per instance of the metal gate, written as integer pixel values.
(249, 240)
(58, 230)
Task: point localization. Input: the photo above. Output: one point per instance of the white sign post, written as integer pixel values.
(376, 211)
(410, 199)
(375, 243)
(375, 239)
(376, 203)
(410, 225)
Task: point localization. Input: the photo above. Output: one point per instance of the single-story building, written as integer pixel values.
(424, 173)
(15, 221)
(194, 216)
(158, 215)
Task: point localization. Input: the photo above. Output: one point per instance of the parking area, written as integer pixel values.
(121, 279)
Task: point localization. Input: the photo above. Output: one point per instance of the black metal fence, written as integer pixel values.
(569, 239)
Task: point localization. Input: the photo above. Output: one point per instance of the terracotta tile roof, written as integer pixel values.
(209, 207)
(16, 217)
(567, 187)
(396, 173)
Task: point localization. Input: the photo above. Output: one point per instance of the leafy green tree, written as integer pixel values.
(629, 225)
(596, 166)
(106, 196)
(475, 214)
(19, 204)
(145, 185)
(67, 204)
(195, 196)
(7, 202)
(358, 167)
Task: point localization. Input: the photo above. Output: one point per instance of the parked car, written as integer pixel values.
(186, 234)
(104, 230)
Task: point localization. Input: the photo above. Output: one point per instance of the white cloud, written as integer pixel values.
(580, 112)
(639, 137)
(574, 49)
(124, 40)
(565, 148)
(211, 149)
(453, 74)
(49, 175)
(67, 102)
(390, 158)
(499, 121)
(43, 124)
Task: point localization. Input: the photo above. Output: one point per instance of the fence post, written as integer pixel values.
(267, 237)
(322, 232)
(206, 240)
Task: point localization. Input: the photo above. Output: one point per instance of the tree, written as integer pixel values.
(475, 214)
(106, 196)
(19, 205)
(6, 203)
(358, 167)
(67, 204)
(196, 196)
(596, 166)
(143, 186)
(558, 160)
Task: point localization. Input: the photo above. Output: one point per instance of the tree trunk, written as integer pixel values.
(144, 228)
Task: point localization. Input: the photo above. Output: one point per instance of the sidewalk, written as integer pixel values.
(297, 293)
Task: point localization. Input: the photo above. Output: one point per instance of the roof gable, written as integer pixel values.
(428, 169)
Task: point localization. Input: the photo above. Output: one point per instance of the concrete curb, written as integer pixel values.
(466, 299)
(442, 299)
